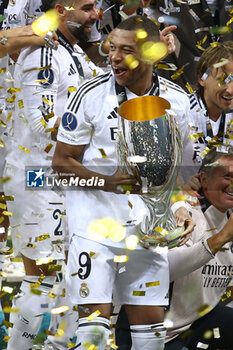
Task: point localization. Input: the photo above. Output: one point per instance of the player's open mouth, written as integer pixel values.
(229, 193)
(119, 71)
(227, 98)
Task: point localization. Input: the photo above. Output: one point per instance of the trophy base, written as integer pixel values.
(170, 240)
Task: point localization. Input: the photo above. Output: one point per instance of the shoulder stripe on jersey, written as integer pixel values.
(89, 85)
(174, 86)
(194, 104)
(46, 56)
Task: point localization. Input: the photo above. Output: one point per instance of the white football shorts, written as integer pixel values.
(93, 277)
(38, 218)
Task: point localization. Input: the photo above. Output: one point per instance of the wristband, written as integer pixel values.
(103, 54)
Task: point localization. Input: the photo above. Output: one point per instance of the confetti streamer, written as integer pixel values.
(152, 284)
(120, 258)
(103, 153)
(26, 150)
(93, 315)
(137, 293)
(48, 148)
(72, 89)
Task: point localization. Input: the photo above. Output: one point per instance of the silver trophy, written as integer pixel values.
(149, 145)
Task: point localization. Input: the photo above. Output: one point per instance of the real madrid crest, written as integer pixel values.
(12, 2)
(84, 291)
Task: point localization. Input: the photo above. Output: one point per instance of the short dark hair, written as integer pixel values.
(211, 56)
(139, 22)
(50, 4)
(209, 162)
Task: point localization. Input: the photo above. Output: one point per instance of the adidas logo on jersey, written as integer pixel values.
(72, 71)
(113, 114)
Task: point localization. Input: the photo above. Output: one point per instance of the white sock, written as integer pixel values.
(94, 332)
(26, 322)
(70, 318)
(148, 337)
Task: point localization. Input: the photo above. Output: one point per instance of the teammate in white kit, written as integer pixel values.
(88, 126)
(21, 12)
(211, 105)
(46, 78)
(196, 294)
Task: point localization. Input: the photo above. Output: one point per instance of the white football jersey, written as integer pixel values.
(46, 78)
(21, 12)
(96, 125)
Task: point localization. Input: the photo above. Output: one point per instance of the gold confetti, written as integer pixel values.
(2, 123)
(48, 148)
(59, 310)
(152, 284)
(26, 150)
(216, 333)
(203, 310)
(42, 237)
(94, 74)
(6, 198)
(6, 338)
(120, 258)
(7, 213)
(2, 143)
(20, 103)
(2, 219)
(90, 346)
(131, 242)
(8, 310)
(138, 293)
(7, 289)
(152, 52)
(102, 153)
(54, 267)
(2, 70)
(51, 295)
(45, 260)
(43, 122)
(61, 329)
(222, 79)
(106, 227)
(2, 206)
(47, 101)
(131, 62)
(229, 22)
(11, 99)
(93, 315)
(35, 291)
(9, 117)
(49, 116)
(51, 130)
(41, 81)
(13, 90)
(49, 21)
(72, 88)
(161, 230)
(37, 69)
(141, 34)
(178, 72)
(177, 198)
(208, 334)
(189, 88)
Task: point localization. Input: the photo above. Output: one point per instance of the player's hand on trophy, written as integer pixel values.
(121, 183)
(191, 188)
(184, 219)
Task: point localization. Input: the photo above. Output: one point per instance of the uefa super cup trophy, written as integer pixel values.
(149, 145)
